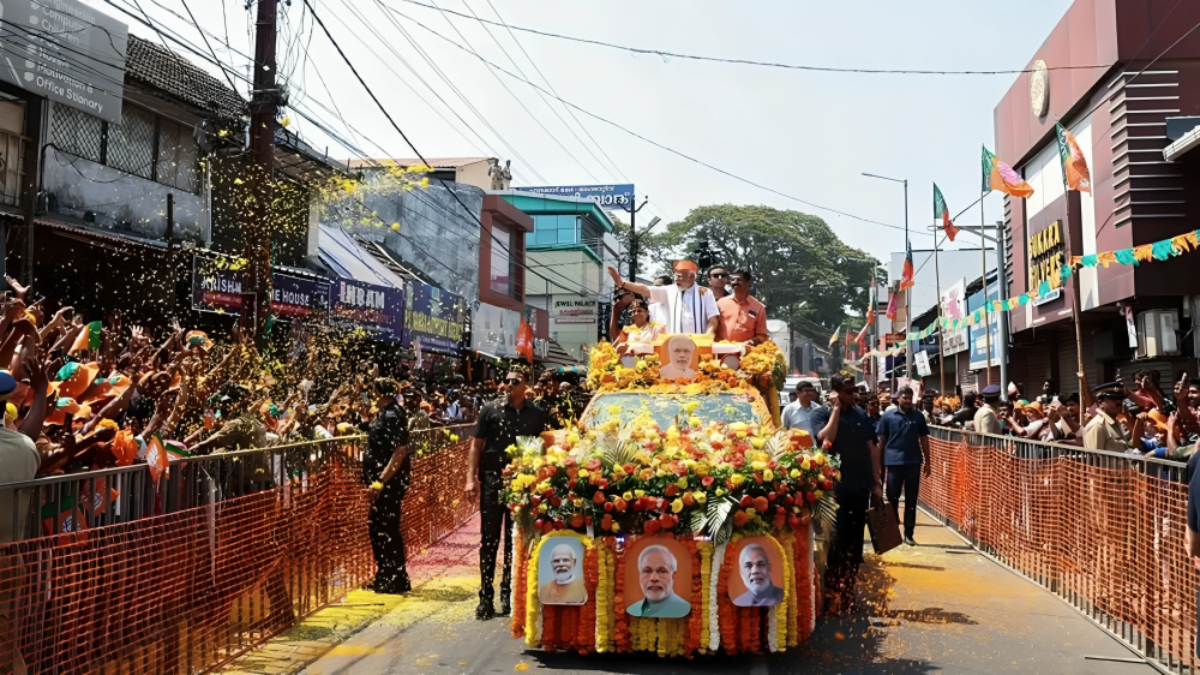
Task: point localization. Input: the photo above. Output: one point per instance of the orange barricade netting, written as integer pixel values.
(187, 591)
(1105, 534)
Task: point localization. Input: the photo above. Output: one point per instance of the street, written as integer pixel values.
(937, 608)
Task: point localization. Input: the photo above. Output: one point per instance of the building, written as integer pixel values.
(1123, 115)
(570, 245)
(485, 173)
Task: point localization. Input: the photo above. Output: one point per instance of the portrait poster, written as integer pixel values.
(757, 580)
(678, 357)
(658, 578)
(560, 572)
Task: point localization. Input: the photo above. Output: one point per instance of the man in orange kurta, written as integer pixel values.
(743, 317)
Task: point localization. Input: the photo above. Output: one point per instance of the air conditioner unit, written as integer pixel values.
(1156, 333)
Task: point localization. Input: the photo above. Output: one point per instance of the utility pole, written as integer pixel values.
(633, 235)
(256, 220)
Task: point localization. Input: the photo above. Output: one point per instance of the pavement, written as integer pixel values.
(939, 607)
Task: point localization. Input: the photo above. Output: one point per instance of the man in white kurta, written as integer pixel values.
(683, 307)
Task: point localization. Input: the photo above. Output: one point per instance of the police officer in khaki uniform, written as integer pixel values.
(986, 420)
(1104, 432)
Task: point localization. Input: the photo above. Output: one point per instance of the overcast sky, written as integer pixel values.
(809, 135)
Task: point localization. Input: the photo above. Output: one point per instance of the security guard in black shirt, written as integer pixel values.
(499, 424)
(387, 467)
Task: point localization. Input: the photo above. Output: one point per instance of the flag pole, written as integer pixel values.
(937, 272)
(987, 320)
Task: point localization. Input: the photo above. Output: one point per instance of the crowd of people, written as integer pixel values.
(82, 395)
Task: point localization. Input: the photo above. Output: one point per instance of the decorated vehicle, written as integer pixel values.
(675, 518)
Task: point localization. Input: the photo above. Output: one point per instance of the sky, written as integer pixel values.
(808, 135)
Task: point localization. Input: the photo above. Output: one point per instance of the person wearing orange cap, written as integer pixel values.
(683, 307)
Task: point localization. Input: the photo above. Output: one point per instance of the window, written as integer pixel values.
(551, 230)
(503, 274)
(143, 144)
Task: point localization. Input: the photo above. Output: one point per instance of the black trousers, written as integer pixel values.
(494, 521)
(907, 476)
(846, 553)
(387, 543)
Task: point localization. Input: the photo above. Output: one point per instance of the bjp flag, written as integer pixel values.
(906, 278)
(1075, 170)
(525, 339)
(1000, 177)
(942, 212)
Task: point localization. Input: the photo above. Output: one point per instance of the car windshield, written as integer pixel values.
(666, 408)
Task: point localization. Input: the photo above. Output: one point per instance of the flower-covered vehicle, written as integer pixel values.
(683, 510)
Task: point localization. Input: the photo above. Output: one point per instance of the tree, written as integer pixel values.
(803, 272)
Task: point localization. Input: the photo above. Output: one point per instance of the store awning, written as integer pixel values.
(365, 293)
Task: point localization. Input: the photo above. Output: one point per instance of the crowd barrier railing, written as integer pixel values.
(1101, 530)
(113, 571)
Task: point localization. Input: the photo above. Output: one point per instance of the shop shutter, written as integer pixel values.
(1068, 363)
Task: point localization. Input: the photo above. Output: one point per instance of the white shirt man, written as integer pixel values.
(683, 307)
(798, 414)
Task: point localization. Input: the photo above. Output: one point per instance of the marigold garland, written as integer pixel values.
(517, 594)
(727, 614)
(585, 640)
(787, 542)
(694, 620)
(706, 551)
(806, 583)
(603, 599)
(622, 635)
(533, 612)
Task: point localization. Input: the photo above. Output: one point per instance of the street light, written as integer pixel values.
(908, 355)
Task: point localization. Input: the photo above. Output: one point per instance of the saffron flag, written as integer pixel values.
(525, 339)
(940, 210)
(90, 338)
(870, 316)
(906, 278)
(999, 176)
(891, 308)
(1075, 170)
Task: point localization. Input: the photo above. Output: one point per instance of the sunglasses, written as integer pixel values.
(718, 275)
(513, 381)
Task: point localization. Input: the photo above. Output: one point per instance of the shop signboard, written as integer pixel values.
(66, 51)
(979, 340)
(434, 318)
(217, 287)
(954, 306)
(573, 309)
(608, 197)
(1047, 255)
(378, 310)
(494, 330)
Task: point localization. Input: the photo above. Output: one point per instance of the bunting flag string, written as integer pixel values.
(1135, 256)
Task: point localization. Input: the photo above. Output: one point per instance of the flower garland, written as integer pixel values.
(621, 635)
(695, 618)
(806, 583)
(727, 613)
(751, 628)
(517, 594)
(705, 621)
(603, 599)
(585, 639)
(714, 574)
(533, 614)
(777, 636)
(787, 542)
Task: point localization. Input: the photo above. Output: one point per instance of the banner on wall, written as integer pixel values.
(979, 340)
(494, 330)
(217, 288)
(434, 318)
(378, 310)
(954, 306)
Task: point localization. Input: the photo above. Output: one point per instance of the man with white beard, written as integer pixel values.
(566, 587)
(755, 568)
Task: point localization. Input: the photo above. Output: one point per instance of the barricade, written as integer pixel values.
(1103, 531)
(181, 575)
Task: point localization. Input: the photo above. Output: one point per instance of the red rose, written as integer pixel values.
(708, 480)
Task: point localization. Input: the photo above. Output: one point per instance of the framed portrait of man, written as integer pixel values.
(679, 357)
(658, 578)
(759, 578)
(560, 572)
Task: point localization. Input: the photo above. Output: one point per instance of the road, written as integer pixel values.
(937, 608)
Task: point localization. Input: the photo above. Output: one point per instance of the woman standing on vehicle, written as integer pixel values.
(642, 329)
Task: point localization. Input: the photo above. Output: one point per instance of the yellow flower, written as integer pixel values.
(454, 437)
(617, 526)
(737, 479)
(377, 486)
(677, 505)
(660, 473)
(769, 475)
(738, 426)
(614, 410)
(584, 473)
(795, 473)
(578, 502)
(820, 493)
(691, 406)
(720, 492)
(820, 459)
(742, 434)
(751, 512)
(758, 465)
(542, 506)
(628, 496)
(758, 442)
(694, 421)
(806, 465)
(700, 497)
(642, 493)
(682, 482)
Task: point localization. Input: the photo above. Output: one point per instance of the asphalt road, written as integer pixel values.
(936, 608)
